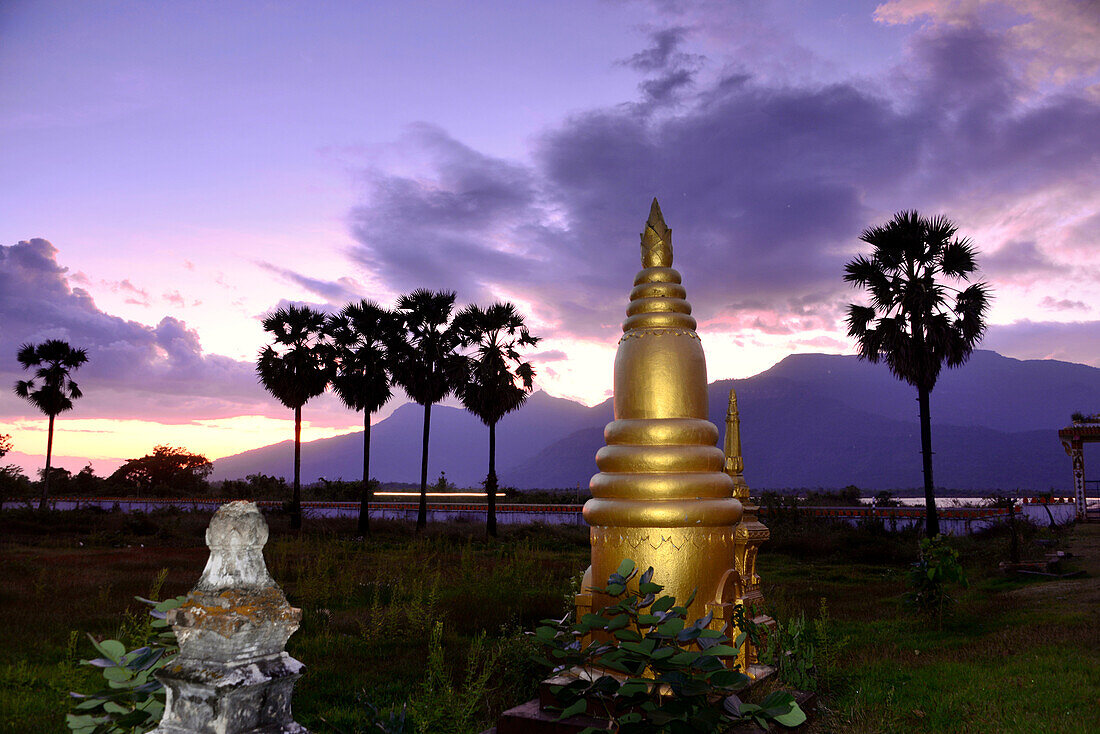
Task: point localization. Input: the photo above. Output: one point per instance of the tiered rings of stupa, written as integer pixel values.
(661, 497)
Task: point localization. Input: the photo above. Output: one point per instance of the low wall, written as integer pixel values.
(1062, 509)
(953, 520)
(513, 514)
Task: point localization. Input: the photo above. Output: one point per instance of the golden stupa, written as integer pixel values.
(663, 497)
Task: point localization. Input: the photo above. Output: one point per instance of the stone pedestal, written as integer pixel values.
(232, 675)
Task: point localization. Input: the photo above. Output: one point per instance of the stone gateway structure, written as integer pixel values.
(1074, 437)
(232, 675)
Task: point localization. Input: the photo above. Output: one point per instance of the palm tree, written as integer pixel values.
(426, 363)
(916, 322)
(361, 335)
(491, 392)
(300, 370)
(55, 361)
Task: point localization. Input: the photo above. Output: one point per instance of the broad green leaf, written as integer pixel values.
(111, 648)
(671, 627)
(685, 657)
(663, 604)
(594, 621)
(625, 568)
(577, 707)
(618, 622)
(664, 653)
(794, 717)
(116, 674)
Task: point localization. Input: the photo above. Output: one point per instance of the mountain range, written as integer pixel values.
(810, 421)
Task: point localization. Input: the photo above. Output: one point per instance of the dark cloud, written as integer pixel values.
(668, 69)
(336, 292)
(134, 371)
(662, 53)
(766, 187)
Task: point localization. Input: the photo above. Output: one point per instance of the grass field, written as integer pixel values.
(1018, 655)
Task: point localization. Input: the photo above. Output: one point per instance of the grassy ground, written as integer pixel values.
(1018, 655)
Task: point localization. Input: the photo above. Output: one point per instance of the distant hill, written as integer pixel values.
(459, 445)
(812, 420)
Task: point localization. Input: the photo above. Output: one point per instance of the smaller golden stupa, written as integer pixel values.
(749, 533)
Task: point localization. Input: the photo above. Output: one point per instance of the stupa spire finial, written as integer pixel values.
(656, 240)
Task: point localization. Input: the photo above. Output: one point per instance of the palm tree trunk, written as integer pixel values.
(932, 520)
(422, 510)
(296, 502)
(364, 496)
(43, 502)
(491, 483)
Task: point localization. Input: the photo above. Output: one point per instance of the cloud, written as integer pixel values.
(1020, 258)
(669, 70)
(174, 298)
(1063, 304)
(550, 355)
(1074, 341)
(336, 292)
(765, 185)
(1055, 40)
(134, 370)
(136, 296)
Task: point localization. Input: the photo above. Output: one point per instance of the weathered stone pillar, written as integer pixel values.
(232, 675)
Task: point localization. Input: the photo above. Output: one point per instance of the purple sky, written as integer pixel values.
(173, 170)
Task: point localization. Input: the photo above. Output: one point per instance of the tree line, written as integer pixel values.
(924, 313)
(423, 346)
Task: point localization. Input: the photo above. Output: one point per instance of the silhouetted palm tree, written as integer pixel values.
(361, 335)
(491, 390)
(52, 389)
(426, 363)
(916, 323)
(298, 371)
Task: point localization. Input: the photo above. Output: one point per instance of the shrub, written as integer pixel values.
(440, 707)
(645, 668)
(936, 568)
(133, 700)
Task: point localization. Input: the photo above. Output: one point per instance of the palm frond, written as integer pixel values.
(957, 259)
(52, 389)
(303, 368)
(498, 380)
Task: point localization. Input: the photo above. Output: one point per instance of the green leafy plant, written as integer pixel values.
(775, 707)
(440, 707)
(937, 567)
(640, 665)
(375, 720)
(791, 649)
(133, 700)
(828, 647)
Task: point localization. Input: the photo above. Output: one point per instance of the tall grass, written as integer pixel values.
(1018, 655)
